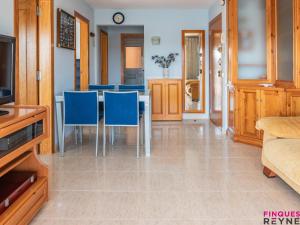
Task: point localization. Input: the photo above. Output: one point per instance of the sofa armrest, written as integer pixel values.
(280, 127)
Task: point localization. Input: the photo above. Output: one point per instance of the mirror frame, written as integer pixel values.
(202, 34)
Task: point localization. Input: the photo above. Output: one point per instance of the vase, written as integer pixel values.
(165, 72)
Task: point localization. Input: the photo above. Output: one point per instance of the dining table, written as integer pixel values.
(144, 96)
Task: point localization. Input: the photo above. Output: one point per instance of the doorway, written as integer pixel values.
(34, 58)
(104, 57)
(216, 70)
(121, 54)
(82, 52)
(132, 59)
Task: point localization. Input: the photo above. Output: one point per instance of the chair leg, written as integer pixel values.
(138, 142)
(104, 141)
(63, 142)
(97, 140)
(76, 135)
(112, 135)
(81, 134)
(142, 131)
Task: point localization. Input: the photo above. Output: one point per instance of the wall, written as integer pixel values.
(114, 49)
(7, 17)
(166, 23)
(214, 11)
(64, 58)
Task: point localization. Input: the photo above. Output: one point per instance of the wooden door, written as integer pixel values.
(249, 112)
(132, 59)
(34, 33)
(273, 103)
(293, 103)
(173, 100)
(157, 88)
(27, 52)
(46, 68)
(104, 57)
(215, 69)
(84, 53)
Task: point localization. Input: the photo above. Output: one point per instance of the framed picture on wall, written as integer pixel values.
(65, 30)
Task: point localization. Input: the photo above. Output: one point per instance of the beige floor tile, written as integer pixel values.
(195, 176)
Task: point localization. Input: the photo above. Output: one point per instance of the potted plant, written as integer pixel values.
(165, 62)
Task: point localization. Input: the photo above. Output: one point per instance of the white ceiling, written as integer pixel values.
(137, 4)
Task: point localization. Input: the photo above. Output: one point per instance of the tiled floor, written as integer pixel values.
(195, 176)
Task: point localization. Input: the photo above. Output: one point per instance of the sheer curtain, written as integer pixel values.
(192, 58)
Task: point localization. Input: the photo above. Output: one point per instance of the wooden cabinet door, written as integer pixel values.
(273, 103)
(293, 103)
(248, 112)
(173, 100)
(157, 88)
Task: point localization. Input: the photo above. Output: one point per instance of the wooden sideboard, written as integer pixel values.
(24, 158)
(166, 99)
(254, 103)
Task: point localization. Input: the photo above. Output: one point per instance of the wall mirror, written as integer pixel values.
(193, 47)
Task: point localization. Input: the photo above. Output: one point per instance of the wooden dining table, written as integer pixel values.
(144, 97)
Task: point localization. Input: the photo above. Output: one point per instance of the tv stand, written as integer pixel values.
(24, 158)
(3, 112)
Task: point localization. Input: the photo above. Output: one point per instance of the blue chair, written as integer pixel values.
(121, 109)
(135, 88)
(100, 87)
(131, 87)
(81, 108)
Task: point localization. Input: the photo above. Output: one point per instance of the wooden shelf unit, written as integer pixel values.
(166, 99)
(24, 158)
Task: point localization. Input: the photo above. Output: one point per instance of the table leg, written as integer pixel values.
(147, 128)
(59, 123)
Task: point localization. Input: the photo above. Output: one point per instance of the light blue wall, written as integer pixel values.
(114, 49)
(64, 58)
(7, 17)
(166, 23)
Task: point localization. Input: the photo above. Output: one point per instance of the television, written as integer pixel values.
(7, 70)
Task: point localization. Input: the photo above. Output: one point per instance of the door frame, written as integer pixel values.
(123, 38)
(79, 16)
(45, 64)
(217, 19)
(101, 57)
(203, 46)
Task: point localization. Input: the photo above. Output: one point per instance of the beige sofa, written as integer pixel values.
(281, 148)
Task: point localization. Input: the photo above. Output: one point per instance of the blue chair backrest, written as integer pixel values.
(132, 87)
(121, 108)
(81, 108)
(99, 87)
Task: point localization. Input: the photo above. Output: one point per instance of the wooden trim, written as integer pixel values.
(202, 34)
(297, 43)
(123, 37)
(218, 21)
(107, 57)
(82, 18)
(16, 34)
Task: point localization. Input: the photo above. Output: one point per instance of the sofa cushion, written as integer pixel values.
(284, 155)
(282, 127)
